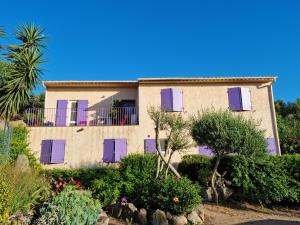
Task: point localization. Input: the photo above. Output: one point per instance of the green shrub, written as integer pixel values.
(21, 191)
(175, 195)
(197, 168)
(108, 188)
(19, 145)
(84, 175)
(266, 181)
(71, 206)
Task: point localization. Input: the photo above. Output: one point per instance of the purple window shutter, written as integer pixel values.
(58, 151)
(177, 100)
(46, 151)
(120, 149)
(82, 106)
(234, 98)
(166, 99)
(61, 112)
(150, 146)
(246, 99)
(204, 150)
(109, 150)
(271, 146)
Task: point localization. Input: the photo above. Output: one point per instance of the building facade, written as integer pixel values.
(88, 123)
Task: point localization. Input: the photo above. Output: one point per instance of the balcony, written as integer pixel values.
(52, 117)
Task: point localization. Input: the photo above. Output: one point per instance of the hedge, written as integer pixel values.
(268, 180)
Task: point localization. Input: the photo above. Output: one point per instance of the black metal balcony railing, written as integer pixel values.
(49, 117)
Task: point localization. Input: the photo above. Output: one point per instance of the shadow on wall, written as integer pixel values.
(270, 222)
(101, 110)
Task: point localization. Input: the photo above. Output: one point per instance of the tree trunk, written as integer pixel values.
(213, 180)
(169, 162)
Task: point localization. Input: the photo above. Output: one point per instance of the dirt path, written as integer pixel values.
(242, 215)
(249, 215)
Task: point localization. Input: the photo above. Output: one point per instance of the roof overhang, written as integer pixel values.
(195, 80)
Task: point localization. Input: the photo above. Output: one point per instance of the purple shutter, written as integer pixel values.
(166, 99)
(82, 106)
(246, 99)
(61, 112)
(120, 149)
(150, 146)
(204, 150)
(109, 150)
(272, 146)
(234, 98)
(58, 151)
(177, 100)
(46, 151)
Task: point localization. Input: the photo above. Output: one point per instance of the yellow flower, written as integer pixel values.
(176, 200)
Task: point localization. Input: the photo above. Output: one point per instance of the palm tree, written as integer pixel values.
(25, 61)
(2, 32)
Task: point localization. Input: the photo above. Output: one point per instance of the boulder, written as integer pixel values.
(200, 211)
(194, 219)
(179, 220)
(22, 163)
(226, 192)
(141, 216)
(103, 219)
(129, 211)
(116, 210)
(159, 218)
(169, 215)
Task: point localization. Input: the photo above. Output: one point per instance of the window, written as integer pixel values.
(114, 150)
(171, 100)
(52, 152)
(72, 113)
(239, 99)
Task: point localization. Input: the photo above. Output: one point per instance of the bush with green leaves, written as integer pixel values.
(19, 145)
(176, 195)
(70, 207)
(21, 191)
(225, 132)
(197, 168)
(267, 180)
(85, 175)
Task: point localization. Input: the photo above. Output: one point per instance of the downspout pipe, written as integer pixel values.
(274, 119)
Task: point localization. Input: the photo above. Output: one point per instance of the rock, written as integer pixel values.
(159, 218)
(226, 192)
(208, 194)
(129, 211)
(103, 219)
(200, 212)
(116, 210)
(141, 217)
(194, 219)
(22, 163)
(169, 215)
(179, 220)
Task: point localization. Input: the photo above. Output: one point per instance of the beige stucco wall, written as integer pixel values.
(85, 148)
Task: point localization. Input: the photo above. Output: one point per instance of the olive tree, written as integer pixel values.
(225, 132)
(177, 135)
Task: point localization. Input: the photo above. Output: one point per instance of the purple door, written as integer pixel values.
(120, 149)
(61, 112)
(177, 100)
(272, 146)
(204, 150)
(46, 151)
(150, 146)
(109, 150)
(234, 98)
(166, 99)
(58, 151)
(82, 106)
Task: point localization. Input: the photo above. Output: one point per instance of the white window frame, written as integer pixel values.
(69, 112)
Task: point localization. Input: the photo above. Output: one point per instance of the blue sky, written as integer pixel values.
(111, 40)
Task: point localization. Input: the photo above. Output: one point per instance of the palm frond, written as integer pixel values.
(2, 32)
